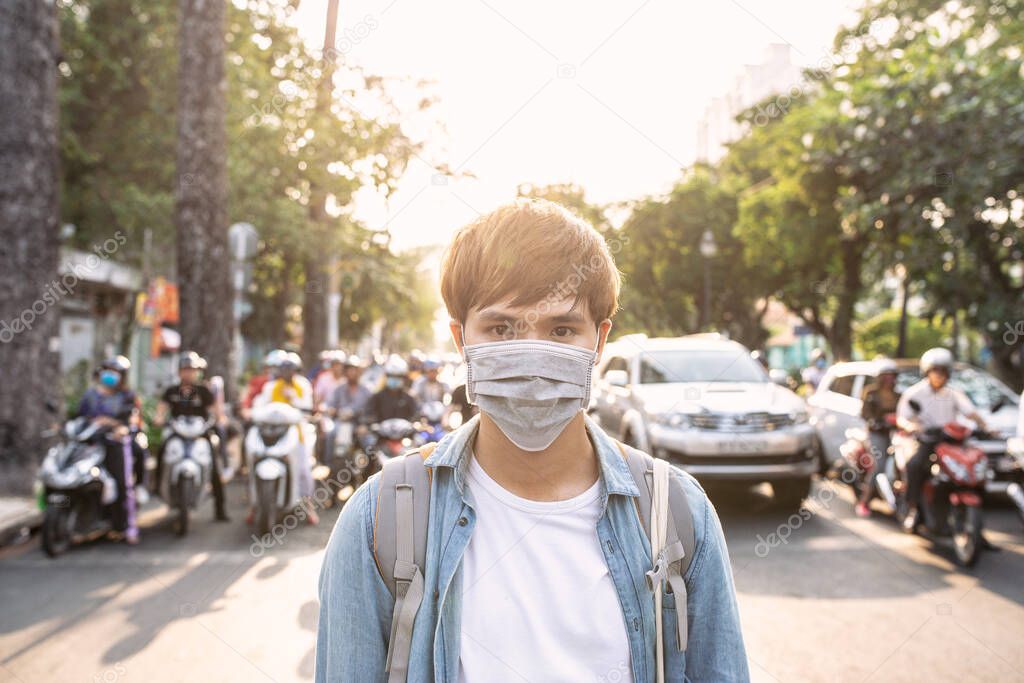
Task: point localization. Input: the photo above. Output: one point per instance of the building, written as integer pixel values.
(718, 127)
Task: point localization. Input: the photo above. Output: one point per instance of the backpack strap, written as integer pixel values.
(674, 560)
(400, 547)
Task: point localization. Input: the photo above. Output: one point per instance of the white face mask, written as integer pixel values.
(531, 389)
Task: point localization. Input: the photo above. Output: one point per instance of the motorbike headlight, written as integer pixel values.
(673, 420)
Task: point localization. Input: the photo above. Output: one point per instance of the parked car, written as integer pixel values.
(704, 404)
(836, 405)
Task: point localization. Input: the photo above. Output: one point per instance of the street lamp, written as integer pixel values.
(708, 250)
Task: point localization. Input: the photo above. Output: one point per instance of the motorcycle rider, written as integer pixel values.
(813, 373)
(878, 400)
(427, 386)
(260, 379)
(190, 397)
(330, 379)
(351, 397)
(394, 400)
(927, 405)
(112, 404)
(292, 388)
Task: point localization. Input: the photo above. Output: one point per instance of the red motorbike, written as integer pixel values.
(952, 495)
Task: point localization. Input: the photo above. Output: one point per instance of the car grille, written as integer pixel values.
(741, 422)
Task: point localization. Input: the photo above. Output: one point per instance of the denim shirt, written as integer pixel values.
(356, 606)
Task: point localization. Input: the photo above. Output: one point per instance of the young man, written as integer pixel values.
(536, 556)
(191, 396)
(923, 408)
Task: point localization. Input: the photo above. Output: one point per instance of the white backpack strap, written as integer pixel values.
(658, 532)
(400, 541)
(677, 548)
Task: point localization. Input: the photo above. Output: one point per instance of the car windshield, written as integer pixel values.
(703, 365)
(983, 389)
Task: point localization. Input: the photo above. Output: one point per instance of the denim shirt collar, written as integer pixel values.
(453, 449)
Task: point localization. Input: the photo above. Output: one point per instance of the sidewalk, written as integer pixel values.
(17, 513)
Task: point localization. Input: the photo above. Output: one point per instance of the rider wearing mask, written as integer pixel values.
(878, 401)
(112, 404)
(394, 400)
(813, 373)
(191, 397)
(928, 405)
(428, 387)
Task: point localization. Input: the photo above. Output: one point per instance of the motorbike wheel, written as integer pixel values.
(56, 531)
(266, 510)
(185, 485)
(966, 524)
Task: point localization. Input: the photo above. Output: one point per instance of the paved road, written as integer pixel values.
(842, 599)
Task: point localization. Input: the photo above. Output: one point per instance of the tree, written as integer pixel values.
(663, 268)
(29, 216)
(204, 280)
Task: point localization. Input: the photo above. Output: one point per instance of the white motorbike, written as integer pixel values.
(273, 449)
(187, 466)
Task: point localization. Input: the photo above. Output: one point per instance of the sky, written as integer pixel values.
(604, 95)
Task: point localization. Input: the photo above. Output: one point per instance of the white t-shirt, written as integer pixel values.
(538, 603)
(937, 407)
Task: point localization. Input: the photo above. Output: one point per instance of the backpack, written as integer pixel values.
(400, 543)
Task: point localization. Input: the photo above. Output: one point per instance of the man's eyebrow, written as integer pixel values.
(569, 317)
(491, 314)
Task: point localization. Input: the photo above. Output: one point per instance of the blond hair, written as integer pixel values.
(525, 253)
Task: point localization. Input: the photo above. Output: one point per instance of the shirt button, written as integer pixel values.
(463, 521)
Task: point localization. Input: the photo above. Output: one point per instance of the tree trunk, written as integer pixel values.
(314, 306)
(841, 338)
(29, 246)
(204, 277)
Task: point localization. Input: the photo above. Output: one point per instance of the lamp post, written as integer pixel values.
(708, 250)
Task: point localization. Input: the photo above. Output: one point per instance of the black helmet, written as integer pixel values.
(191, 359)
(118, 364)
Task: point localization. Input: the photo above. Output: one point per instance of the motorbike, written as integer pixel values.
(77, 490)
(390, 438)
(347, 461)
(952, 495)
(187, 466)
(858, 460)
(430, 429)
(270, 447)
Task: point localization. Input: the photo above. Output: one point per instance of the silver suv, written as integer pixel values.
(704, 404)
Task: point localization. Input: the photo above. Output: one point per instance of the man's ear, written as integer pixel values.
(456, 329)
(602, 338)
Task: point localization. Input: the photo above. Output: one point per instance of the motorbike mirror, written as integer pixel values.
(915, 406)
(998, 405)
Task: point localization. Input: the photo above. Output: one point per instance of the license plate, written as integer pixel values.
(343, 433)
(742, 446)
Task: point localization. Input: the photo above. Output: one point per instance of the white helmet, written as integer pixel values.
(396, 365)
(293, 360)
(275, 358)
(886, 365)
(936, 358)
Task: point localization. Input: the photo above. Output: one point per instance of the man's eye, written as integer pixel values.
(503, 330)
(563, 332)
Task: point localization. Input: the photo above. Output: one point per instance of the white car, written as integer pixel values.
(835, 407)
(704, 404)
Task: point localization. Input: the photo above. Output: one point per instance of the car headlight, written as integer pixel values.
(673, 420)
(799, 417)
